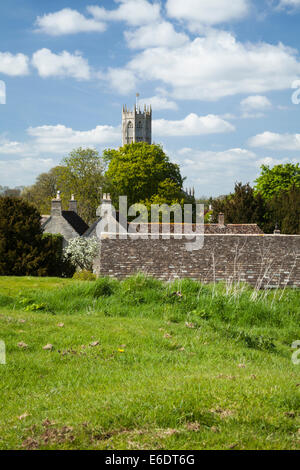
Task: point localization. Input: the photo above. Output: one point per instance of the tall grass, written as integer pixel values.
(234, 306)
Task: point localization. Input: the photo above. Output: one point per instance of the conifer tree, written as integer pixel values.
(21, 244)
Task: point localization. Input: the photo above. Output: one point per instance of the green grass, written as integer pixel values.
(178, 366)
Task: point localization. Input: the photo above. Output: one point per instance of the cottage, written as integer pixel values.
(67, 223)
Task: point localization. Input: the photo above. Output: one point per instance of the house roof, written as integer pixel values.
(92, 229)
(75, 221)
(44, 219)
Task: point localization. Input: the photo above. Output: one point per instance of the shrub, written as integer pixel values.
(104, 287)
(81, 252)
(84, 276)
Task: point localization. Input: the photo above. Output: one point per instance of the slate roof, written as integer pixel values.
(75, 221)
(44, 219)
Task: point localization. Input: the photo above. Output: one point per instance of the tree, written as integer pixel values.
(80, 173)
(21, 245)
(44, 189)
(143, 172)
(81, 252)
(284, 209)
(241, 207)
(11, 192)
(279, 178)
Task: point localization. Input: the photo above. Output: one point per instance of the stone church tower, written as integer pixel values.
(136, 125)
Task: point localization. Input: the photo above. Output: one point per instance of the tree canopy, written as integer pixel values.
(143, 173)
(284, 210)
(44, 189)
(241, 207)
(280, 178)
(80, 173)
(246, 206)
(21, 245)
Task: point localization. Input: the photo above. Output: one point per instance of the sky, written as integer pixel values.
(223, 79)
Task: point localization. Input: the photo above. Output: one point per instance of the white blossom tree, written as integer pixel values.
(81, 252)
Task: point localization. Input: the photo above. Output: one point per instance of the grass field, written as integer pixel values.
(146, 365)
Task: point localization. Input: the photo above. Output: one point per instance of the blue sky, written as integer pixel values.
(219, 76)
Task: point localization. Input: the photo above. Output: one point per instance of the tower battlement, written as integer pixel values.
(136, 125)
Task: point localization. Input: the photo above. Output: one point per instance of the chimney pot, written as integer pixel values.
(73, 204)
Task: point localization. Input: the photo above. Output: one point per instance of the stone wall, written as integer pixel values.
(263, 260)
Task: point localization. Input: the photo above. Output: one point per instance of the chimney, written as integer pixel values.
(56, 209)
(221, 220)
(106, 202)
(73, 204)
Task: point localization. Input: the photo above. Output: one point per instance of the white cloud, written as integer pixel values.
(256, 102)
(64, 64)
(2, 92)
(192, 125)
(155, 35)
(215, 172)
(67, 21)
(294, 4)
(215, 66)
(23, 171)
(11, 147)
(23, 161)
(159, 103)
(57, 139)
(270, 161)
(274, 141)
(122, 80)
(133, 12)
(207, 12)
(14, 65)
(254, 105)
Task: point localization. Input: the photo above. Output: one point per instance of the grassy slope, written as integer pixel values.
(155, 394)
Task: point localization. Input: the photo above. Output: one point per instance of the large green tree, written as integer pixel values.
(80, 173)
(284, 211)
(21, 244)
(241, 207)
(143, 173)
(43, 190)
(280, 178)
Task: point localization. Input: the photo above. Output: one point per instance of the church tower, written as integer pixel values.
(136, 125)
